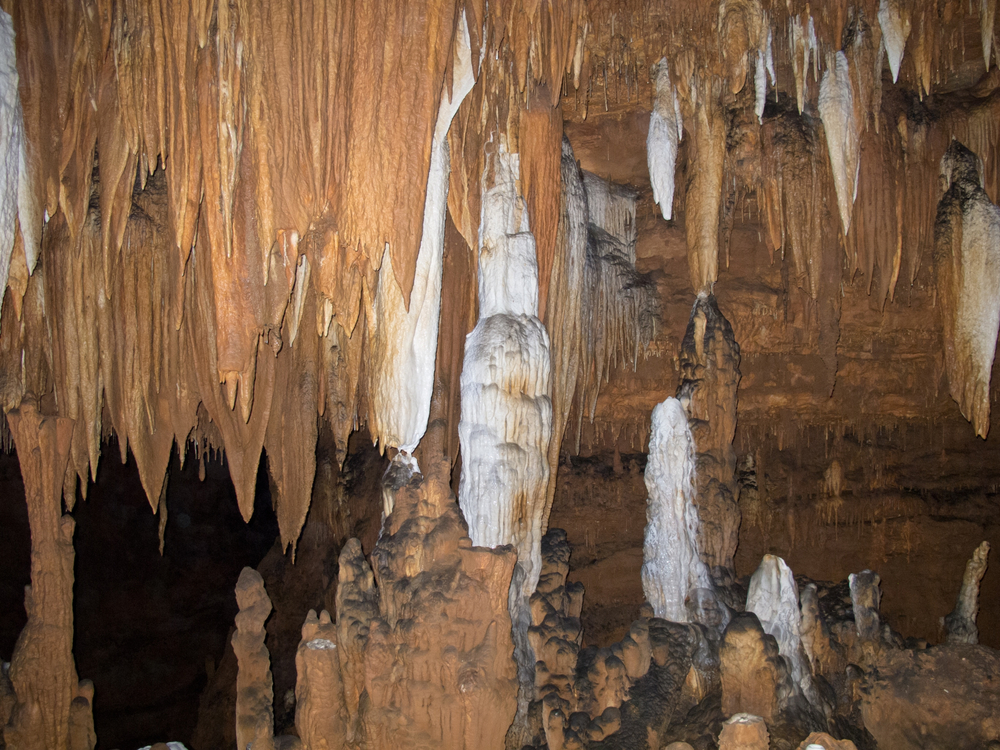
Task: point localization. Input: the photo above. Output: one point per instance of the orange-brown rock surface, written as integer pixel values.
(52, 708)
(254, 693)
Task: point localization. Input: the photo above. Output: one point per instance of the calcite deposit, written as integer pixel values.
(692, 306)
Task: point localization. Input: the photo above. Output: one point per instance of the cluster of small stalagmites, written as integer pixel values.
(632, 688)
(422, 658)
(802, 654)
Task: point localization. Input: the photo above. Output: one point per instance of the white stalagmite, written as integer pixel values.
(11, 147)
(774, 597)
(843, 134)
(672, 569)
(506, 420)
(404, 342)
(894, 19)
(666, 129)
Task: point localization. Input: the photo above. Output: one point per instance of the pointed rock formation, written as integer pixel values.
(254, 693)
(710, 377)
(967, 263)
(961, 623)
(666, 129)
(320, 713)
(672, 568)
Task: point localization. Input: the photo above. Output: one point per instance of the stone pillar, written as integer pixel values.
(42, 669)
(710, 376)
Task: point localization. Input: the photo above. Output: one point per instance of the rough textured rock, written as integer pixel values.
(752, 669)
(961, 623)
(254, 693)
(943, 697)
(818, 740)
(53, 708)
(320, 713)
(438, 667)
(709, 378)
(744, 732)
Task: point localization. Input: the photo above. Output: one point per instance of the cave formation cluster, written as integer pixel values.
(236, 226)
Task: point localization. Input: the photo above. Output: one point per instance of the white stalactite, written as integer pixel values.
(666, 129)
(764, 69)
(803, 45)
(967, 266)
(11, 148)
(672, 569)
(774, 597)
(404, 342)
(895, 22)
(843, 134)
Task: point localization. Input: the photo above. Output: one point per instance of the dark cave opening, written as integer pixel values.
(149, 631)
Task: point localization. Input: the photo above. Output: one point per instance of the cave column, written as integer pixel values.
(710, 376)
(42, 668)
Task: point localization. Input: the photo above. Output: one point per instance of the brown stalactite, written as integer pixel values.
(42, 669)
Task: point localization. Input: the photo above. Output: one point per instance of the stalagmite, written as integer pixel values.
(42, 668)
(254, 712)
(967, 263)
(843, 133)
(437, 664)
(744, 732)
(320, 714)
(894, 18)
(506, 421)
(666, 129)
(774, 597)
(865, 597)
(672, 568)
(751, 669)
(961, 623)
(710, 377)
(403, 337)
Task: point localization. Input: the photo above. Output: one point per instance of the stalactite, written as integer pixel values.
(42, 669)
(403, 339)
(11, 146)
(704, 189)
(843, 131)
(967, 264)
(666, 128)
(564, 319)
(803, 45)
(987, 12)
(894, 18)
